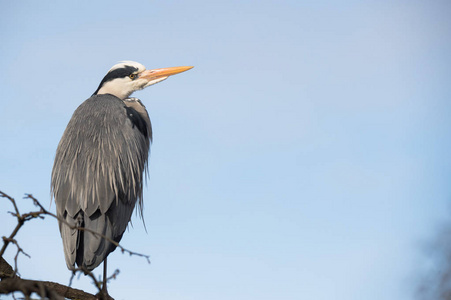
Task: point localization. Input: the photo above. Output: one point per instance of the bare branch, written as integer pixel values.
(46, 212)
(12, 200)
(6, 271)
(11, 283)
(45, 289)
(19, 250)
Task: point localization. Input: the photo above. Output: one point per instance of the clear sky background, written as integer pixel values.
(306, 156)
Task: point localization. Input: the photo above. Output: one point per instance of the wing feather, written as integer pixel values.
(98, 175)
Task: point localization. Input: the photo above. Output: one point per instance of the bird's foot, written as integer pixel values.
(103, 295)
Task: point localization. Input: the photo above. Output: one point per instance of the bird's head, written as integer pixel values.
(127, 77)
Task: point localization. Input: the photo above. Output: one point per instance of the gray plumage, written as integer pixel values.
(98, 174)
(100, 162)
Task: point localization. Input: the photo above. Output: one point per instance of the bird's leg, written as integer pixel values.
(104, 291)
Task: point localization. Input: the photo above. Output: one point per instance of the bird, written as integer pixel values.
(100, 163)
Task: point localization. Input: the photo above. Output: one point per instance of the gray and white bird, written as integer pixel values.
(97, 176)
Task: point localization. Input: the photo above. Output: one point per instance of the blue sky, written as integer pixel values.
(306, 156)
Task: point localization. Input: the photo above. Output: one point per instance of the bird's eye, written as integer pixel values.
(132, 76)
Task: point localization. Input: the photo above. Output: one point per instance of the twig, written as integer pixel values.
(10, 282)
(46, 212)
(114, 275)
(19, 250)
(20, 222)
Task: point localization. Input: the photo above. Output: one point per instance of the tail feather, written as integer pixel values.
(71, 237)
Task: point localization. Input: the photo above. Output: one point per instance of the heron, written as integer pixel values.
(100, 164)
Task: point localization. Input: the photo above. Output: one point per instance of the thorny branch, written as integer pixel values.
(11, 282)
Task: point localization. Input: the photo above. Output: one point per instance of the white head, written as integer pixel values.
(128, 76)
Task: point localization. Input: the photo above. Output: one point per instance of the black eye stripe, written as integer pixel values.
(123, 72)
(120, 73)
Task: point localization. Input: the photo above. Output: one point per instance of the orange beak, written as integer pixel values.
(164, 72)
